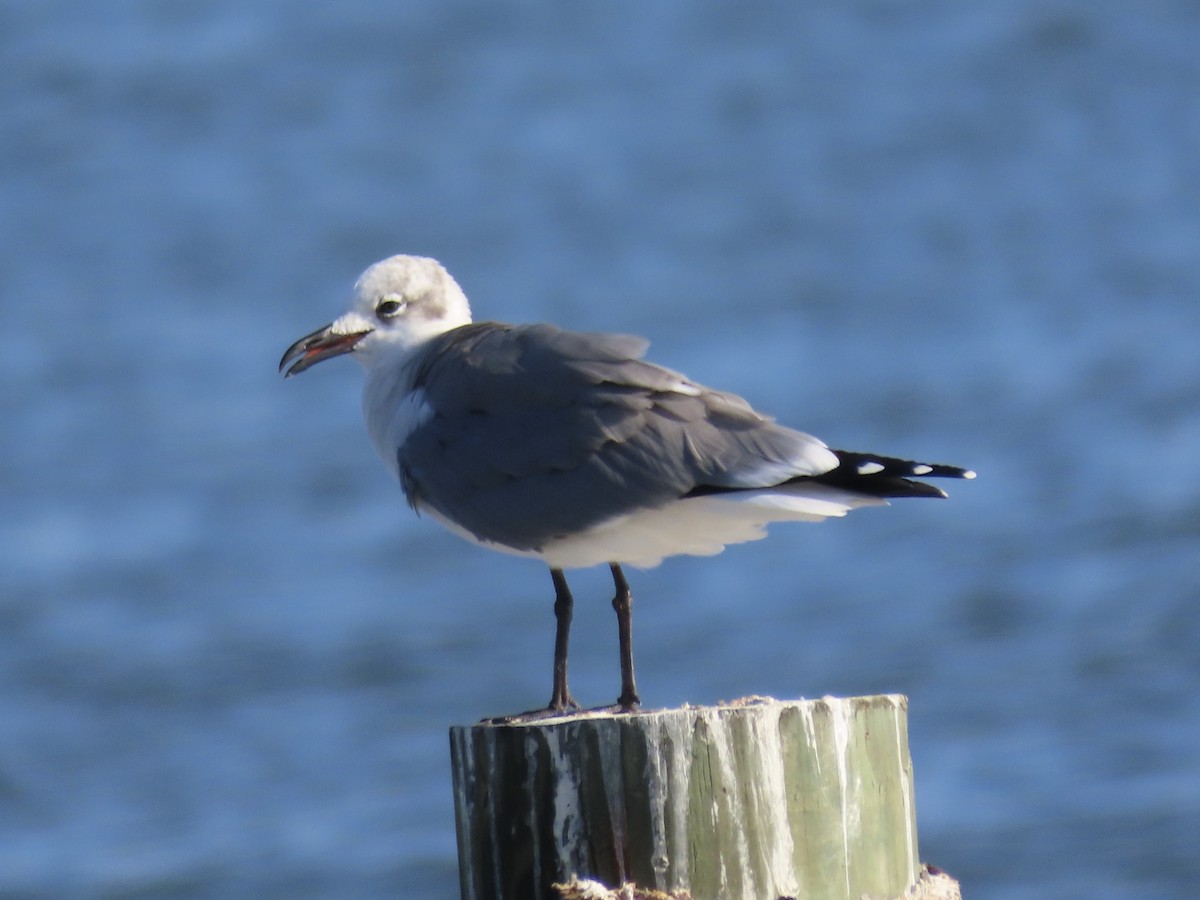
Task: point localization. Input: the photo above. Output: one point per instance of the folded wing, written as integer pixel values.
(536, 433)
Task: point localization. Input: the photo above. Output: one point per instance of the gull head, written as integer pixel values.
(399, 303)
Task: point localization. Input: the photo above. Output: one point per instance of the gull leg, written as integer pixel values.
(560, 698)
(623, 605)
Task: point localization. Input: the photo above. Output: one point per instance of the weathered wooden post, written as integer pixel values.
(753, 800)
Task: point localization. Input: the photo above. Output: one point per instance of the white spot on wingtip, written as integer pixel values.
(869, 468)
(922, 469)
(969, 474)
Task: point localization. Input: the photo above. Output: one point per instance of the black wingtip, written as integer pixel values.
(888, 476)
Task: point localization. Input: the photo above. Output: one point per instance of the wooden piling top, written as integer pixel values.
(756, 798)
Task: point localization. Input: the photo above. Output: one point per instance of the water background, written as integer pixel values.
(969, 232)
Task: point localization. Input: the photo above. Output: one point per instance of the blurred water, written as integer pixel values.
(961, 231)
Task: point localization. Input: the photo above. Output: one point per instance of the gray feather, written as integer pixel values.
(538, 433)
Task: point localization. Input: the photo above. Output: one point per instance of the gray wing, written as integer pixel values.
(537, 433)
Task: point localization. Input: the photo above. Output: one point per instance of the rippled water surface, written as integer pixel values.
(965, 232)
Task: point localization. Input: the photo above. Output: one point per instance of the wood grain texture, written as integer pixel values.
(756, 799)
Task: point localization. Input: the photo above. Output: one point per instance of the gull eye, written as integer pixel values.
(390, 307)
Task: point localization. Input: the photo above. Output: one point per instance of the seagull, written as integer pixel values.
(570, 448)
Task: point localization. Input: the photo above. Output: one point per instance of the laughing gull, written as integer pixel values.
(569, 448)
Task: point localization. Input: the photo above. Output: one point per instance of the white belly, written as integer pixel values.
(697, 526)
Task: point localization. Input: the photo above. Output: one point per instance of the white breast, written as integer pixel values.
(392, 413)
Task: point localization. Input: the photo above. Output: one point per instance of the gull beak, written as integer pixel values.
(321, 344)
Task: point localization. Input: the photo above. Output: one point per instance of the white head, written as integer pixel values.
(399, 303)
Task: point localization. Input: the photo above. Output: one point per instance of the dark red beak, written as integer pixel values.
(321, 344)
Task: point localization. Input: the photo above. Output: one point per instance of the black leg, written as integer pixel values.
(623, 604)
(560, 698)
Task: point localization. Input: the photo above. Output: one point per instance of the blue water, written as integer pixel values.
(969, 232)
